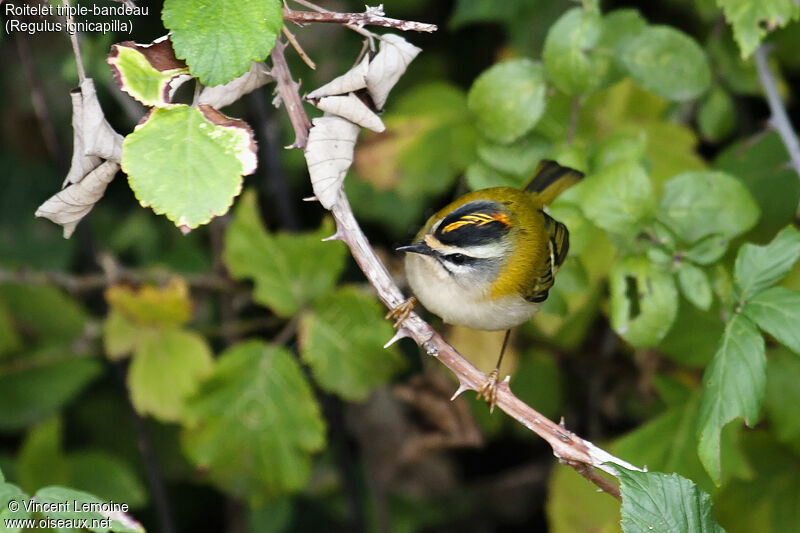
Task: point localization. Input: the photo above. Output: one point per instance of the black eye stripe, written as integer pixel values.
(458, 259)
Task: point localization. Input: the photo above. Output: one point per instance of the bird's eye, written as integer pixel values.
(457, 259)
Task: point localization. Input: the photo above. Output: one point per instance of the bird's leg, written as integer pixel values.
(401, 312)
(488, 390)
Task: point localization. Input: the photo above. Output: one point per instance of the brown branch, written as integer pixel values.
(568, 447)
(288, 91)
(99, 281)
(373, 16)
(76, 49)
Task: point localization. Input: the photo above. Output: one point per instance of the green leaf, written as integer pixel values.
(481, 176)
(620, 27)
(597, 513)
(698, 204)
(433, 140)
(752, 20)
(777, 311)
(9, 492)
(167, 368)
(106, 476)
(668, 62)
(733, 387)
(41, 385)
(272, 517)
(79, 505)
(759, 267)
(187, 162)
(569, 56)
(694, 337)
(716, 117)
(40, 460)
(760, 164)
(254, 423)
(694, 285)
(44, 312)
(508, 99)
(644, 301)
(220, 39)
(146, 72)
(537, 381)
(737, 74)
(622, 147)
(289, 270)
(666, 503)
(150, 305)
(10, 340)
(707, 250)
(120, 335)
(519, 159)
(619, 198)
(783, 397)
(342, 341)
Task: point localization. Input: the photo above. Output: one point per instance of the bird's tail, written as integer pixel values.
(551, 179)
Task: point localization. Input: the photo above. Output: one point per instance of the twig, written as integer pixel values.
(569, 448)
(99, 281)
(373, 16)
(297, 48)
(358, 29)
(288, 91)
(76, 49)
(779, 119)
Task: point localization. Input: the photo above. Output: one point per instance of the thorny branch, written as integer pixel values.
(569, 448)
(373, 16)
(779, 119)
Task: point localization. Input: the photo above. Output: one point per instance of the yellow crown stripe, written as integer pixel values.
(478, 219)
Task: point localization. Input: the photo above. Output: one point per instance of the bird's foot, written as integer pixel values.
(488, 390)
(401, 312)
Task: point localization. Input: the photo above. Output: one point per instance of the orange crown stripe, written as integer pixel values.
(478, 219)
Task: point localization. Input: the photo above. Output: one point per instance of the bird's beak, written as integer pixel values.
(419, 248)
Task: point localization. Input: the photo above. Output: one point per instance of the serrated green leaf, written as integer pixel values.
(166, 369)
(694, 285)
(698, 204)
(518, 159)
(716, 117)
(707, 250)
(753, 19)
(120, 336)
(187, 162)
(783, 397)
(569, 56)
(733, 387)
(79, 505)
(777, 311)
(289, 270)
(644, 301)
(41, 384)
(508, 99)
(622, 147)
(760, 163)
(664, 503)
(254, 423)
(219, 39)
(619, 198)
(668, 62)
(150, 305)
(146, 71)
(342, 341)
(758, 267)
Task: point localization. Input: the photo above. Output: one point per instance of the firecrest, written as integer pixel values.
(488, 259)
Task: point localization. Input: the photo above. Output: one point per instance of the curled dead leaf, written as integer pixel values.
(388, 65)
(221, 95)
(68, 206)
(353, 109)
(351, 81)
(329, 154)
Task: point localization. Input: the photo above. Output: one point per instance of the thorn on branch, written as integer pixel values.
(373, 16)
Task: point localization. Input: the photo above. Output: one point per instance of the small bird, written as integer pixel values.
(488, 259)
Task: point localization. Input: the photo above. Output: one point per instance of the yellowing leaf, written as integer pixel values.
(151, 305)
